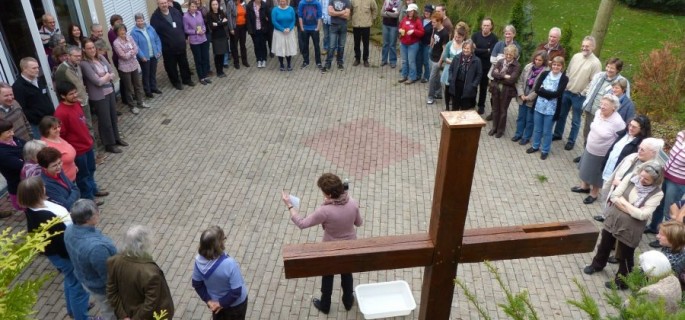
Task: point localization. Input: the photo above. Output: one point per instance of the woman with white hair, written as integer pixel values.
(647, 151)
(603, 132)
(632, 204)
(136, 286)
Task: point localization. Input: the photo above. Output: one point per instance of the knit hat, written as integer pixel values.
(428, 8)
(413, 6)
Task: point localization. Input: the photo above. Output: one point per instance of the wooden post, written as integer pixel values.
(453, 178)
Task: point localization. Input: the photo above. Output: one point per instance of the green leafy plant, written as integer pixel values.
(522, 20)
(17, 251)
(161, 315)
(636, 306)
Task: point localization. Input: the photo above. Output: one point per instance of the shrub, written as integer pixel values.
(669, 6)
(17, 251)
(518, 306)
(522, 20)
(659, 89)
(565, 41)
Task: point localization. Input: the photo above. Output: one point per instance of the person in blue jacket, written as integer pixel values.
(149, 52)
(217, 278)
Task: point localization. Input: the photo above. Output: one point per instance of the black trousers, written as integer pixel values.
(125, 99)
(361, 36)
(175, 62)
(483, 87)
(232, 313)
(238, 38)
(259, 41)
(346, 282)
(624, 254)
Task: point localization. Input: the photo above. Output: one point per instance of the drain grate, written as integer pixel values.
(166, 121)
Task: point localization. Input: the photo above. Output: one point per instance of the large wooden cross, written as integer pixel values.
(446, 243)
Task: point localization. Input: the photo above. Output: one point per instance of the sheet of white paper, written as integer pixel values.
(295, 201)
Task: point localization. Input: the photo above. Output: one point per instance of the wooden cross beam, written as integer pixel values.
(446, 243)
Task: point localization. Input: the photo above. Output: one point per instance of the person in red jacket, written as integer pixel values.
(75, 131)
(411, 31)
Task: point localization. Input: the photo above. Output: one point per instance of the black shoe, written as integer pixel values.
(356, 63)
(236, 65)
(424, 80)
(190, 84)
(655, 244)
(569, 146)
(612, 260)
(598, 218)
(515, 138)
(207, 80)
(304, 65)
(348, 305)
(576, 160)
(324, 69)
(272, 55)
(648, 230)
(532, 150)
(580, 190)
(113, 149)
(589, 200)
(489, 117)
(556, 138)
(223, 75)
(499, 135)
(203, 82)
(366, 65)
(178, 86)
(341, 67)
(149, 95)
(492, 132)
(157, 91)
(119, 113)
(317, 304)
(523, 142)
(481, 110)
(544, 156)
(617, 284)
(590, 269)
(122, 143)
(247, 65)
(99, 202)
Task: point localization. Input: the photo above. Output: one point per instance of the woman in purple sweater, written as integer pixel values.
(338, 215)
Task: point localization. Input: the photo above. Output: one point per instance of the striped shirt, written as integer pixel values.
(675, 167)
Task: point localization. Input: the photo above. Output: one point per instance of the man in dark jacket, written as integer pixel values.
(168, 22)
(31, 92)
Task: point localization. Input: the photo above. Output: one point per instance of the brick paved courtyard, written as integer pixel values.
(220, 154)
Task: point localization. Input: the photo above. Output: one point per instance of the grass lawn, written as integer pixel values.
(631, 33)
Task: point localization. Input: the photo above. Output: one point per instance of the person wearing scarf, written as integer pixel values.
(465, 77)
(632, 204)
(526, 96)
(338, 216)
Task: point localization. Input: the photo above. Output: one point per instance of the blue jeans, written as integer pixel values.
(423, 67)
(326, 36)
(338, 35)
(149, 70)
(76, 297)
(201, 57)
(569, 100)
(524, 122)
(543, 131)
(409, 53)
(389, 51)
(672, 192)
(85, 177)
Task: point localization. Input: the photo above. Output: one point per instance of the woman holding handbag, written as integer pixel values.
(632, 204)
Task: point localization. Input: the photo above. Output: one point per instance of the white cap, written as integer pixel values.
(413, 7)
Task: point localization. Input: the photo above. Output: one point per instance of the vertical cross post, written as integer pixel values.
(456, 163)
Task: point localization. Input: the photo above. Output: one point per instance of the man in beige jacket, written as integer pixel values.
(363, 14)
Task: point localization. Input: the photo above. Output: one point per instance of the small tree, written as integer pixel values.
(17, 251)
(522, 20)
(566, 35)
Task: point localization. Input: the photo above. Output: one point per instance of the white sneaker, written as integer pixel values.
(261, 64)
(135, 110)
(145, 105)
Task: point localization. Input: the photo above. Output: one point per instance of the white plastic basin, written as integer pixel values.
(385, 299)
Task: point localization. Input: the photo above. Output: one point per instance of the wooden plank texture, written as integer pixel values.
(405, 251)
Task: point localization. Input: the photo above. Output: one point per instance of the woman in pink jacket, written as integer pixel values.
(411, 31)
